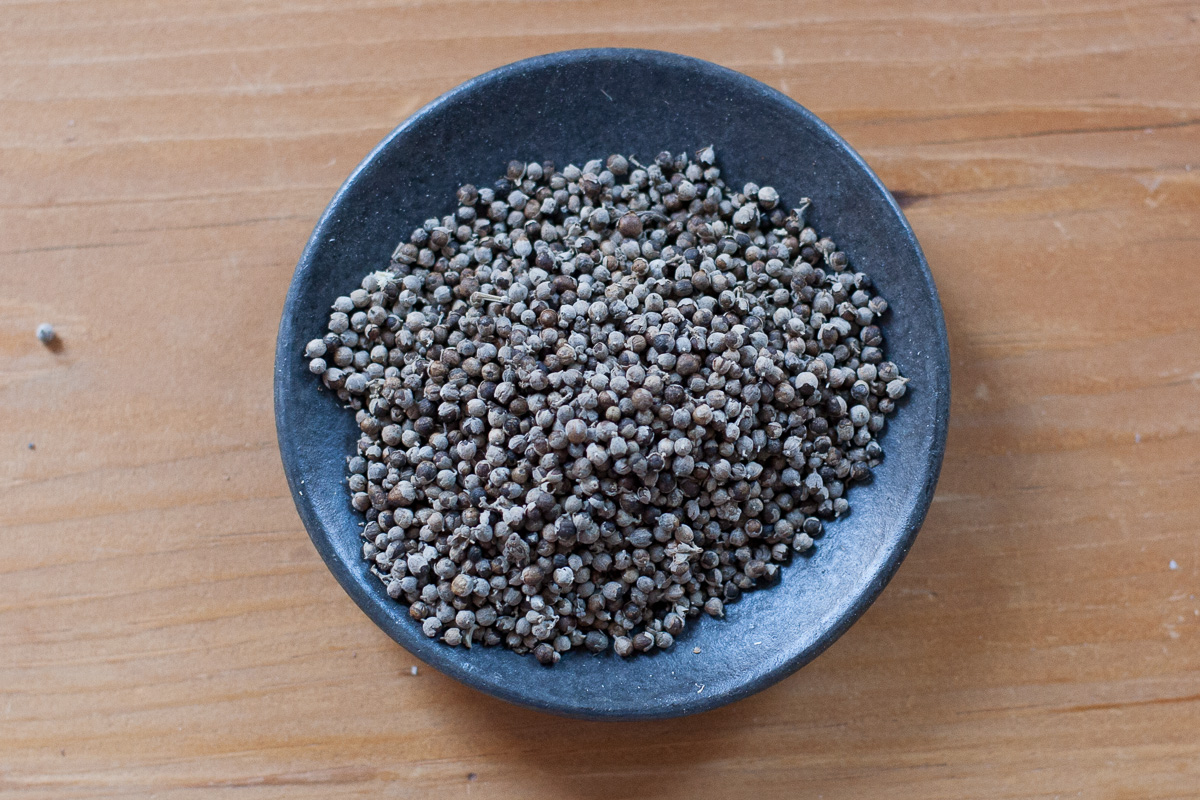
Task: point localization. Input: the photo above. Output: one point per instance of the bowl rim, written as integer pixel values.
(448, 660)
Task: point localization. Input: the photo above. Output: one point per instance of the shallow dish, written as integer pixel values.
(572, 107)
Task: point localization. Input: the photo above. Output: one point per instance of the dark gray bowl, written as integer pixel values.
(571, 107)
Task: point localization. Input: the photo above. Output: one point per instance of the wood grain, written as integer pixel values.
(167, 630)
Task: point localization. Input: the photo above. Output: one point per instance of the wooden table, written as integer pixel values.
(167, 630)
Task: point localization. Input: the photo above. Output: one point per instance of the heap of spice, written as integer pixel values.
(598, 402)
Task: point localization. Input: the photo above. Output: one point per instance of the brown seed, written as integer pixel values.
(688, 364)
(630, 226)
(461, 585)
(532, 575)
(576, 431)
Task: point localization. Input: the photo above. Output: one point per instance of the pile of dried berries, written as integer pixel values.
(597, 402)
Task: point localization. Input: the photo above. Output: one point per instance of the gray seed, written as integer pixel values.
(580, 428)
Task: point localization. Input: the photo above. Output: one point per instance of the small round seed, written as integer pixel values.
(598, 402)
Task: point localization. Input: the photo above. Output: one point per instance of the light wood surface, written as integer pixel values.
(167, 630)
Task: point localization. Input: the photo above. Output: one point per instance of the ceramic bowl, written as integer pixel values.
(569, 108)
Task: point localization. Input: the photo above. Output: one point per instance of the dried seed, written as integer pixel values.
(597, 403)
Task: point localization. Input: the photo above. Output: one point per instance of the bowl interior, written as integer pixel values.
(572, 107)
